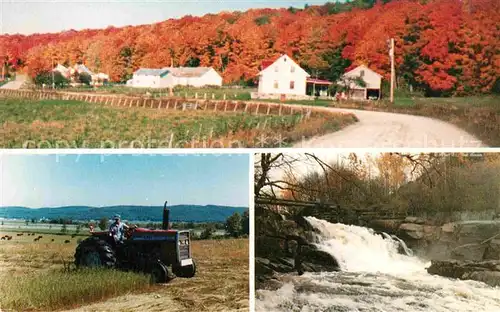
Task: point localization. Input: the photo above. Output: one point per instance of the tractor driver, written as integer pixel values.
(117, 229)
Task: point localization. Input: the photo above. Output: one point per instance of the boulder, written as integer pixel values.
(385, 225)
(483, 271)
(310, 259)
(415, 220)
(411, 230)
(492, 251)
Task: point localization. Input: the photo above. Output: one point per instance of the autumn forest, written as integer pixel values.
(443, 47)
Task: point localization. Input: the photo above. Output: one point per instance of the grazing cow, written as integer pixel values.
(36, 239)
(66, 241)
(9, 238)
(3, 238)
(40, 236)
(52, 239)
(19, 234)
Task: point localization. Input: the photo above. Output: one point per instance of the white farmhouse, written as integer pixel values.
(150, 78)
(173, 76)
(372, 80)
(282, 78)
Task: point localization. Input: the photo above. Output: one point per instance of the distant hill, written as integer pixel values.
(178, 213)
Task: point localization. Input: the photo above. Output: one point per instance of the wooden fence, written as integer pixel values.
(249, 107)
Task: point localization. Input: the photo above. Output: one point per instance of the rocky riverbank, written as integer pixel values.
(292, 251)
(483, 271)
(463, 240)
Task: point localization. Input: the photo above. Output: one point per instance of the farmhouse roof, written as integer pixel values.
(188, 71)
(82, 68)
(266, 63)
(150, 72)
(364, 67)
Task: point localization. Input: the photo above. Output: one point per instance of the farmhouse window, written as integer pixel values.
(292, 85)
(362, 73)
(276, 68)
(276, 84)
(292, 69)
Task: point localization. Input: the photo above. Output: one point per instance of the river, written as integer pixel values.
(374, 277)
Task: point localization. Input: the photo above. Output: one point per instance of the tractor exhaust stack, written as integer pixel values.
(166, 213)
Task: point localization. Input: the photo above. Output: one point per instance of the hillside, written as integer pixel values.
(443, 47)
(178, 213)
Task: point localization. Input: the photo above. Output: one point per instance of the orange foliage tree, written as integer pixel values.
(443, 47)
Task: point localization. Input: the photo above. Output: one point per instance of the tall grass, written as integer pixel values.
(75, 124)
(56, 289)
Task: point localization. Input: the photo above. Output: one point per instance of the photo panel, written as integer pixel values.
(377, 231)
(127, 232)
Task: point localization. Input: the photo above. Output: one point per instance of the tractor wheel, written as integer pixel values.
(160, 273)
(185, 271)
(94, 252)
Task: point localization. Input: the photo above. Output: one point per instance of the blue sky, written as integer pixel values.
(50, 181)
(41, 16)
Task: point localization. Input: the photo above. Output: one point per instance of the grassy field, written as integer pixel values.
(74, 124)
(32, 278)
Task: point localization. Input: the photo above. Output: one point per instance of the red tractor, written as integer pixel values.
(164, 253)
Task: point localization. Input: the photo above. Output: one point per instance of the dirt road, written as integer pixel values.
(15, 84)
(388, 130)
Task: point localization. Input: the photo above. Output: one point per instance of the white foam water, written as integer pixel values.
(374, 277)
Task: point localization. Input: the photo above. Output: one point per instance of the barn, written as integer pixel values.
(174, 76)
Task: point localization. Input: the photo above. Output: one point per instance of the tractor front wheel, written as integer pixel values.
(160, 273)
(187, 271)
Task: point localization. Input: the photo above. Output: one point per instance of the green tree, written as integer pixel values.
(85, 78)
(64, 228)
(245, 223)
(46, 78)
(208, 231)
(234, 225)
(103, 223)
(78, 228)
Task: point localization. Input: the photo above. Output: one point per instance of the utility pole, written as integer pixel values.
(391, 54)
(53, 81)
(3, 68)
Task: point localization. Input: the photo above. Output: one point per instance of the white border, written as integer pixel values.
(250, 151)
(251, 211)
